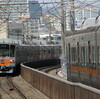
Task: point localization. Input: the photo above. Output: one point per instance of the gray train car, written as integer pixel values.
(83, 56)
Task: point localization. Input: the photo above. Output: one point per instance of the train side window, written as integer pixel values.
(78, 54)
(99, 55)
(44, 51)
(89, 53)
(68, 52)
(83, 56)
(93, 57)
(60, 50)
(49, 51)
(73, 55)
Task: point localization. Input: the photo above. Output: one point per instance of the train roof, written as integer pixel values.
(10, 41)
(89, 29)
(39, 45)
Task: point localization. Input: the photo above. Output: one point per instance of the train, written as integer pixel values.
(83, 56)
(13, 52)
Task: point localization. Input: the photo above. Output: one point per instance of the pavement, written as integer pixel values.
(61, 75)
(57, 73)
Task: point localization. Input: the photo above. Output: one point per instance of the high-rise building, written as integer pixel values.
(35, 10)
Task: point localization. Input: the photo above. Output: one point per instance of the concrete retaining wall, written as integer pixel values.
(56, 88)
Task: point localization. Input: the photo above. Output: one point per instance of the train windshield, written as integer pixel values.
(12, 49)
(6, 50)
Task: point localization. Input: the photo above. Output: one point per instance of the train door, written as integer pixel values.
(95, 64)
(73, 61)
(68, 61)
(90, 60)
(98, 66)
(78, 60)
(84, 66)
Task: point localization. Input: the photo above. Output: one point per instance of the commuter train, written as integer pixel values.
(12, 53)
(83, 56)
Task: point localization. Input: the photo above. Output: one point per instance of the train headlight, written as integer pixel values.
(2, 62)
(12, 61)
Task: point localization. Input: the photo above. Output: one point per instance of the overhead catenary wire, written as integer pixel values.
(86, 4)
(44, 4)
(55, 6)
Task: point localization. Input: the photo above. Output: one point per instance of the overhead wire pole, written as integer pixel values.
(63, 31)
(49, 32)
(72, 15)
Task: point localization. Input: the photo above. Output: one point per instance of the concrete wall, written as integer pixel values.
(56, 88)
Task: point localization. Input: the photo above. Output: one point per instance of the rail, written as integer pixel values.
(5, 91)
(14, 86)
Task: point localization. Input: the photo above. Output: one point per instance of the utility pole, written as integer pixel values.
(50, 33)
(49, 27)
(63, 31)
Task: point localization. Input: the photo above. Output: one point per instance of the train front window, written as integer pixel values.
(4, 50)
(12, 48)
(7, 50)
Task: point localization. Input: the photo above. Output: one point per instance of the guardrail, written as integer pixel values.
(57, 88)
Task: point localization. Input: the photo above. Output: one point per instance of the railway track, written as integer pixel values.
(10, 89)
(48, 69)
(4, 90)
(16, 88)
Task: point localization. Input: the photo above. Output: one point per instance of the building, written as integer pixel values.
(81, 11)
(12, 8)
(3, 29)
(83, 14)
(49, 28)
(15, 31)
(35, 10)
(33, 21)
(21, 12)
(11, 30)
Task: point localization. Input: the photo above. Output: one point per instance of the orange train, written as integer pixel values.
(12, 53)
(83, 56)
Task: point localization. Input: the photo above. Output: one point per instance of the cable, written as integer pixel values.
(54, 3)
(87, 4)
(55, 8)
(85, 7)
